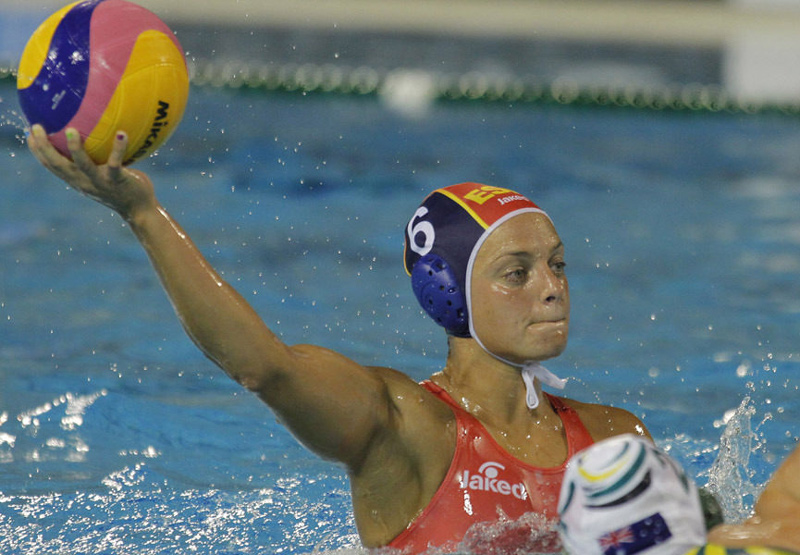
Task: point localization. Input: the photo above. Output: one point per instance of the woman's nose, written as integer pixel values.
(553, 287)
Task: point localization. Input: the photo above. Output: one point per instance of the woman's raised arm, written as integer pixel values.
(331, 403)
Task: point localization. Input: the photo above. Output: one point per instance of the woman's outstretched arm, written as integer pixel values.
(334, 405)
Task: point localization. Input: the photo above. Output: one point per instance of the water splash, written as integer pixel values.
(730, 478)
(138, 511)
(16, 120)
(34, 438)
(530, 534)
(7, 441)
(74, 411)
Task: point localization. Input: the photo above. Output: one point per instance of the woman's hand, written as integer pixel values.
(125, 191)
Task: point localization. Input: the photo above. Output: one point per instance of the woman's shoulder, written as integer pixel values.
(603, 421)
(413, 399)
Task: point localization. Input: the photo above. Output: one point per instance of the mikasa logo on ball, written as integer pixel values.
(488, 479)
(159, 123)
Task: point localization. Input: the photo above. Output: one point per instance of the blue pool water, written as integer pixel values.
(117, 436)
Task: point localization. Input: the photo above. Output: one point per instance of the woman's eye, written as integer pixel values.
(559, 266)
(516, 276)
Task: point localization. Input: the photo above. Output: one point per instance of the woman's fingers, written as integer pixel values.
(40, 146)
(81, 172)
(52, 159)
(79, 156)
(110, 184)
(117, 156)
(33, 145)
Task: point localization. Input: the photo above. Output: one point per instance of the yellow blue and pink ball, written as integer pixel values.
(102, 66)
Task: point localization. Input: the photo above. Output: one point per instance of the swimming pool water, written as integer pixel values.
(117, 436)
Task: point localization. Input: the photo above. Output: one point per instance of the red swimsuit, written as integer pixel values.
(485, 483)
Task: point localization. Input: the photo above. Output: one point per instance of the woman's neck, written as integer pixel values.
(488, 388)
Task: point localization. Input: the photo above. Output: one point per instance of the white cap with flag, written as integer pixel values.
(623, 496)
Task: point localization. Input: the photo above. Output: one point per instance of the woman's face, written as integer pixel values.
(519, 291)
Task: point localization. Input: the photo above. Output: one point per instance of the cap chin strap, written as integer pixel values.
(533, 370)
(530, 371)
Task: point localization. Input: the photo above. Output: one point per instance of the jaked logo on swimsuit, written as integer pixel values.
(487, 479)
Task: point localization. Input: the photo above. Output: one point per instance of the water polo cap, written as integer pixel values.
(441, 242)
(623, 496)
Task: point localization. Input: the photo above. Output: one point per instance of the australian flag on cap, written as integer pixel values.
(636, 537)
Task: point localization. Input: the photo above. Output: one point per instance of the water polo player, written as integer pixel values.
(426, 461)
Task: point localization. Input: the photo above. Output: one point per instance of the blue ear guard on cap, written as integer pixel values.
(434, 283)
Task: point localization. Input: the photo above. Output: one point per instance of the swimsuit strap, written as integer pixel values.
(578, 436)
(558, 404)
(441, 394)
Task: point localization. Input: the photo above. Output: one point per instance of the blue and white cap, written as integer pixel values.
(443, 238)
(623, 496)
